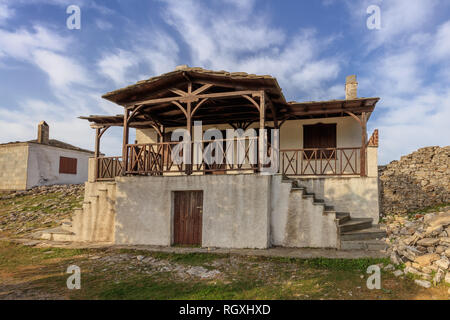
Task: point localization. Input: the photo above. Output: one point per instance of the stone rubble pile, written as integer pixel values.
(152, 265)
(25, 211)
(422, 244)
(417, 181)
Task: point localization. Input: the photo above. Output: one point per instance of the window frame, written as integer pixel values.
(314, 138)
(68, 165)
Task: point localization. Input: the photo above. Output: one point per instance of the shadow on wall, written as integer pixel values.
(360, 201)
(357, 196)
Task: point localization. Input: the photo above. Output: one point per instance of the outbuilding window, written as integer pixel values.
(67, 165)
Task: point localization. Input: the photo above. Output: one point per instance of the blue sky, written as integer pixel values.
(48, 72)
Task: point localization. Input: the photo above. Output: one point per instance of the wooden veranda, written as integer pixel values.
(177, 99)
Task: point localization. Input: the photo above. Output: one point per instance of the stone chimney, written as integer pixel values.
(43, 132)
(351, 88)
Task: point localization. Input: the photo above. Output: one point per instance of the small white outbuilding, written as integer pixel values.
(44, 161)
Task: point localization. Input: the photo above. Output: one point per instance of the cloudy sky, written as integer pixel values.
(48, 72)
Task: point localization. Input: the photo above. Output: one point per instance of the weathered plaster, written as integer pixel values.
(236, 209)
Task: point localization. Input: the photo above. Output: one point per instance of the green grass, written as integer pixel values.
(13, 255)
(412, 214)
(335, 264)
(41, 272)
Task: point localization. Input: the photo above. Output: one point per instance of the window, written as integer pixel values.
(319, 136)
(67, 165)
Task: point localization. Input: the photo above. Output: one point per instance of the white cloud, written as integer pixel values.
(116, 65)
(155, 55)
(21, 43)
(103, 24)
(244, 40)
(441, 45)
(399, 18)
(5, 12)
(414, 107)
(61, 70)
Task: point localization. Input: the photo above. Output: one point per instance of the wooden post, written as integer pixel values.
(97, 142)
(189, 129)
(363, 144)
(126, 133)
(97, 150)
(262, 116)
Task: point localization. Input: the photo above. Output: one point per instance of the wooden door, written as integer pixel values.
(188, 212)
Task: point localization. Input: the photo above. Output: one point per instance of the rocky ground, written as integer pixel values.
(25, 211)
(421, 244)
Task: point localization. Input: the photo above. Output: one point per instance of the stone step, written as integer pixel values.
(371, 233)
(363, 245)
(57, 234)
(355, 224)
(66, 225)
(342, 217)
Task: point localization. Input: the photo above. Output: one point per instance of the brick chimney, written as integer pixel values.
(43, 132)
(351, 87)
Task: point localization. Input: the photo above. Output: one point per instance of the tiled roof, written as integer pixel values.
(52, 143)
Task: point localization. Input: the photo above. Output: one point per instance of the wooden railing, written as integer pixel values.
(156, 158)
(107, 168)
(320, 162)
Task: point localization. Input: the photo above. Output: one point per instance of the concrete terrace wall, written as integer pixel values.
(13, 166)
(236, 209)
(297, 222)
(418, 180)
(43, 166)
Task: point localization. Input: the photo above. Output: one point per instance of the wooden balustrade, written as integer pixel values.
(107, 168)
(160, 158)
(320, 162)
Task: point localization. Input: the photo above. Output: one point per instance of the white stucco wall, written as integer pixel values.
(348, 132)
(43, 166)
(298, 222)
(13, 166)
(236, 209)
(355, 195)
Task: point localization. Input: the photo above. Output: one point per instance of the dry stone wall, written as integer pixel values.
(418, 180)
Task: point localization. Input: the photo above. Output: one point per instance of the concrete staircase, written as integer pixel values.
(353, 233)
(94, 222)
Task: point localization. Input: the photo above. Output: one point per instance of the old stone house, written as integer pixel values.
(44, 161)
(310, 182)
